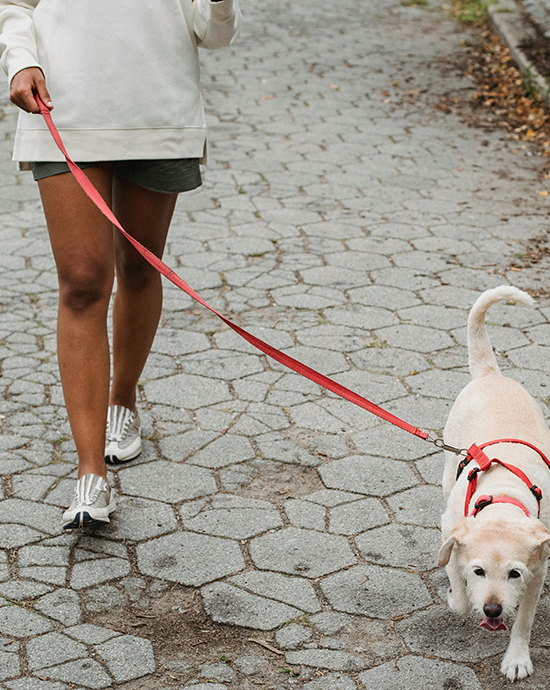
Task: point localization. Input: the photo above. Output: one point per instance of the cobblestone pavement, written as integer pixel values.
(351, 223)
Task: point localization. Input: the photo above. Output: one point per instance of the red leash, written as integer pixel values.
(173, 277)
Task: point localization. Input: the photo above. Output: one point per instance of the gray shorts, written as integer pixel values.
(167, 175)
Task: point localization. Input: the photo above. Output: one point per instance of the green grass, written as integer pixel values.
(471, 10)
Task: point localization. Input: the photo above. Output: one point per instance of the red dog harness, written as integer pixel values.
(484, 463)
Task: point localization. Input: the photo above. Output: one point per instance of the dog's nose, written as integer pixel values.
(492, 610)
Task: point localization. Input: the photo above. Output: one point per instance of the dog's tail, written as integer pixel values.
(482, 359)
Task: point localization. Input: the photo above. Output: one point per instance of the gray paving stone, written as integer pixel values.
(207, 686)
(301, 552)
(382, 359)
(292, 636)
(106, 598)
(375, 592)
(367, 475)
(53, 575)
(187, 391)
(219, 671)
(234, 517)
(52, 649)
(4, 566)
(250, 664)
(404, 546)
(227, 450)
(36, 515)
(23, 590)
(44, 555)
(31, 486)
(191, 559)
(91, 573)
(387, 441)
(332, 497)
(335, 660)
(416, 672)
(127, 657)
(35, 684)
(290, 590)
(377, 387)
(352, 518)
(422, 505)
(90, 634)
(134, 587)
(138, 519)
(225, 603)
(331, 681)
(417, 338)
(331, 622)
(16, 621)
(86, 672)
(305, 514)
(9, 665)
(457, 639)
(62, 605)
(287, 451)
(167, 481)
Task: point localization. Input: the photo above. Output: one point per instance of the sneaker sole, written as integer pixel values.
(84, 519)
(112, 459)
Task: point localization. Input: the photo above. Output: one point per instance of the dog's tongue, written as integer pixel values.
(492, 624)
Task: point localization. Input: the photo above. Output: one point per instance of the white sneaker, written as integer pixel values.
(92, 504)
(123, 440)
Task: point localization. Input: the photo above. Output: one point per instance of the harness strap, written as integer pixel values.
(484, 501)
(523, 443)
(484, 463)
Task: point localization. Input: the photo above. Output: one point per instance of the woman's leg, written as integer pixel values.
(82, 243)
(146, 215)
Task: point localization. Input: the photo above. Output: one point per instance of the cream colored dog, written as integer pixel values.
(497, 560)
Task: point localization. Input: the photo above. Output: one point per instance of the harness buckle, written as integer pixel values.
(473, 473)
(482, 502)
(461, 465)
(537, 493)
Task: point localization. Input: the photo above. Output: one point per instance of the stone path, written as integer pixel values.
(349, 222)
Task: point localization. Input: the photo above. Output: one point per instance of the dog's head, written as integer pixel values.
(496, 559)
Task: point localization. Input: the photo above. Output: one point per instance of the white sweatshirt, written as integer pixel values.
(123, 74)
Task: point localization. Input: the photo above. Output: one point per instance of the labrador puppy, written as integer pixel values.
(495, 545)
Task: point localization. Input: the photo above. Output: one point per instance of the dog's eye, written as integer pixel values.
(514, 573)
(479, 572)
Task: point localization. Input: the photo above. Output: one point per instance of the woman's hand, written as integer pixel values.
(24, 85)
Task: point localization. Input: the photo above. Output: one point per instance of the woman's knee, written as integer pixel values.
(135, 274)
(84, 287)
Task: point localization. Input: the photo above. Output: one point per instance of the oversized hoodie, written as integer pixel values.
(123, 75)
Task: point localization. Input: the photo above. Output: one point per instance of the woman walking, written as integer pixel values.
(124, 79)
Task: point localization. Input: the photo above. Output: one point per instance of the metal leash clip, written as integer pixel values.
(440, 443)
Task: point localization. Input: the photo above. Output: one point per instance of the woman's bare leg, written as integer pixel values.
(146, 215)
(82, 243)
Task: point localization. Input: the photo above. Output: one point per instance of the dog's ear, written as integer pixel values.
(445, 552)
(541, 538)
(456, 536)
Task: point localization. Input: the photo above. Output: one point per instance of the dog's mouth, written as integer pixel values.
(492, 624)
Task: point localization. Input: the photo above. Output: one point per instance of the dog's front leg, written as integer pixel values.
(457, 599)
(517, 663)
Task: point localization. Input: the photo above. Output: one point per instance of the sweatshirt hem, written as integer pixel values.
(110, 144)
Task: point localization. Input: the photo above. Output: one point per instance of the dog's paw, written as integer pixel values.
(517, 664)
